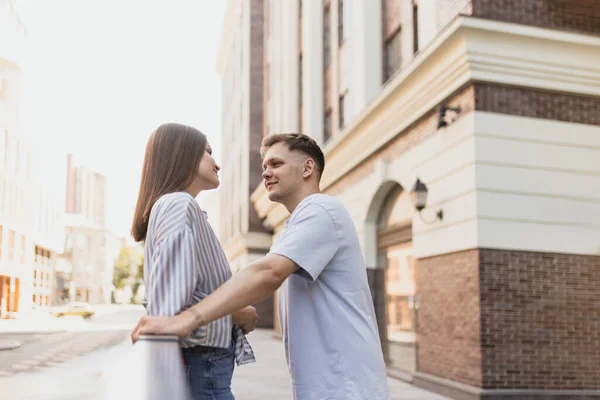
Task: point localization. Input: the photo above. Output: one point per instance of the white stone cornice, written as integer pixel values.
(469, 49)
(532, 57)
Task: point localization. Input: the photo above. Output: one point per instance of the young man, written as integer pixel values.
(326, 310)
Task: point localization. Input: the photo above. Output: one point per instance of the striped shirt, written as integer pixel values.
(183, 263)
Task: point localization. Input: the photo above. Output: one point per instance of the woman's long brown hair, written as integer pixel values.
(173, 154)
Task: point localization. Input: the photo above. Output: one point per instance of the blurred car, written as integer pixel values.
(76, 308)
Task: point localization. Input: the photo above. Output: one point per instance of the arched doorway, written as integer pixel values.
(390, 219)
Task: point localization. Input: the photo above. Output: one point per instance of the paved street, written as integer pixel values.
(269, 379)
(76, 364)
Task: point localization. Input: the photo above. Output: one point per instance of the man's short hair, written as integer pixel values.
(296, 142)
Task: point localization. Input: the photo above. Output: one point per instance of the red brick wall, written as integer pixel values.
(570, 15)
(503, 319)
(540, 320)
(581, 16)
(448, 323)
(537, 103)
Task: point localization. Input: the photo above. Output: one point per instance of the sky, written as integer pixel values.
(101, 75)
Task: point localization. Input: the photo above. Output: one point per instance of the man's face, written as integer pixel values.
(282, 172)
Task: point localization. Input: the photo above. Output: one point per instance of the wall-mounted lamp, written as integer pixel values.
(442, 109)
(419, 198)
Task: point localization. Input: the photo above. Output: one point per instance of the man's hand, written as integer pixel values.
(180, 325)
(246, 317)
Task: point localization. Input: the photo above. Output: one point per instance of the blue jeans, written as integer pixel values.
(209, 371)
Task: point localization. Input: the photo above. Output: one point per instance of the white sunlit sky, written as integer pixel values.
(101, 75)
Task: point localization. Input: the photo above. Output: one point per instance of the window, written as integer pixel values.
(392, 32)
(3, 190)
(78, 190)
(341, 16)
(300, 93)
(300, 15)
(400, 293)
(342, 110)
(18, 159)
(3, 145)
(300, 80)
(393, 55)
(11, 244)
(23, 247)
(327, 126)
(415, 27)
(326, 39)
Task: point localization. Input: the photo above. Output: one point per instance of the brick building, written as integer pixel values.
(493, 105)
(240, 65)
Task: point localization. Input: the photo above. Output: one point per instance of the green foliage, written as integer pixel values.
(131, 260)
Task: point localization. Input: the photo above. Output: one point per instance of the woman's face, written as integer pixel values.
(208, 171)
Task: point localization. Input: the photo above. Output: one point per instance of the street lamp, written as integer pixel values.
(419, 198)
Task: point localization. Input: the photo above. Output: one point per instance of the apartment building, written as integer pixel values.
(240, 65)
(30, 215)
(85, 269)
(464, 138)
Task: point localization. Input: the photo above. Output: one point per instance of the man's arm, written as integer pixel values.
(250, 285)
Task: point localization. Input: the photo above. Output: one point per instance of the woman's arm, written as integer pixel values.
(172, 276)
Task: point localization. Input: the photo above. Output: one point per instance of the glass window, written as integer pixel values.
(393, 55)
(3, 189)
(415, 26)
(3, 145)
(18, 159)
(342, 110)
(400, 290)
(11, 244)
(300, 79)
(23, 247)
(326, 37)
(327, 126)
(341, 17)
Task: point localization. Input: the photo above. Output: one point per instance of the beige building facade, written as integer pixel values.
(240, 64)
(495, 110)
(85, 269)
(31, 214)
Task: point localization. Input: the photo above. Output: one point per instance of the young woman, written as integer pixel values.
(183, 260)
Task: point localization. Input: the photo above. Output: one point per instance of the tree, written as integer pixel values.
(128, 265)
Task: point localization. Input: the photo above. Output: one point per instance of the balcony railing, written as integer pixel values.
(153, 370)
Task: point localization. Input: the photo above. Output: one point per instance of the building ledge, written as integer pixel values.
(470, 49)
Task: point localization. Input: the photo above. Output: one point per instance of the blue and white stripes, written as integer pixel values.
(183, 263)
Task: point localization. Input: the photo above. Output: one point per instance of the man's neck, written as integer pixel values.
(291, 204)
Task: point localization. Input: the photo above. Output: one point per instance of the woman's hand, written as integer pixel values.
(246, 317)
(180, 325)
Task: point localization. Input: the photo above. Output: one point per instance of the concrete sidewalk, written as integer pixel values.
(31, 324)
(269, 379)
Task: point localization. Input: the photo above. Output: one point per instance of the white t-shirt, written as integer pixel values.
(326, 310)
